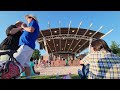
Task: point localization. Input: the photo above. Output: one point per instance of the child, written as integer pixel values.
(32, 70)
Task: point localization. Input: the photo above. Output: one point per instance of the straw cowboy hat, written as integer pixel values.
(30, 15)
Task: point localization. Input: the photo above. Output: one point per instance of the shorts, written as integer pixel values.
(23, 55)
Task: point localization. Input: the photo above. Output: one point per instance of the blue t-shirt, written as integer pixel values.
(28, 38)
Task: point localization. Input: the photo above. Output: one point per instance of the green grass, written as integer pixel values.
(52, 77)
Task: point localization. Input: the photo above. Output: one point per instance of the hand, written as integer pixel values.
(81, 62)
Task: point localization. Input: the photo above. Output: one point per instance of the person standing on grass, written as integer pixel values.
(27, 43)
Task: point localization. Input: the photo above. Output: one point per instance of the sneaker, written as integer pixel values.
(11, 70)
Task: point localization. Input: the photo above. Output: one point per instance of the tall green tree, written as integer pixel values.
(36, 54)
(115, 48)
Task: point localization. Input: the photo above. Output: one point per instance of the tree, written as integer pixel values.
(36, 54)
(115, 48)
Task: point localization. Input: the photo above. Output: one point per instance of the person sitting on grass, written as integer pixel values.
(103, 64)
(32, 70)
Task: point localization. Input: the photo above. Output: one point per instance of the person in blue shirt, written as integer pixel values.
(27, 43)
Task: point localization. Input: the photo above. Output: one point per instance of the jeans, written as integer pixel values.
(84, 73)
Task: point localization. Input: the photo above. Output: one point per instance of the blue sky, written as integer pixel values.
(109, 19)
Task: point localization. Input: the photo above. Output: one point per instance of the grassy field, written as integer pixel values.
(52, 77)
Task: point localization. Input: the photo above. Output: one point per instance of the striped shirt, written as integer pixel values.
(103, 65)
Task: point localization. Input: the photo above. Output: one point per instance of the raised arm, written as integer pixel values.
(28, 29)
(15, 30)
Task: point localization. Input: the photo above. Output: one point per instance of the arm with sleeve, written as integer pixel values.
(86, 59)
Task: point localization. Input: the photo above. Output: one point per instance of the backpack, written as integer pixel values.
(10, 67)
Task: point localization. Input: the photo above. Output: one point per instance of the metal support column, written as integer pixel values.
(46, 50)
(90, 44)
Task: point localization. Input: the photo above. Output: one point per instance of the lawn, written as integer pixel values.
(52, 77)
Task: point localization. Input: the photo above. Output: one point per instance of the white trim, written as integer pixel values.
(83, 36)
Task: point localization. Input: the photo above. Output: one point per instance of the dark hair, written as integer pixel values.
(100, 44)
(31, 59)
(29, 17)
(17, 24)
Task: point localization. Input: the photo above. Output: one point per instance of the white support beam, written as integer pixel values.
(75, 34)
(51, 35)
(69, 27)
(83, 36)
(60, 33)
(97, 31)
(68, 34)
(107, 33)
(46, 42)
(78, 27)
(90, 37)
(90, 44)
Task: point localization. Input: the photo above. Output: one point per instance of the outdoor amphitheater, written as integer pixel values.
(63, 48)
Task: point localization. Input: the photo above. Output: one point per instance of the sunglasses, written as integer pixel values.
(29, 17)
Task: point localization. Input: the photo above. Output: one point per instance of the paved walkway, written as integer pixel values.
(60, 70)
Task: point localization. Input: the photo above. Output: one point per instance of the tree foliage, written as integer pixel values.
(115, 48)
(36, 54)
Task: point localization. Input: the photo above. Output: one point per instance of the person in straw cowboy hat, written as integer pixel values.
(27, 43)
